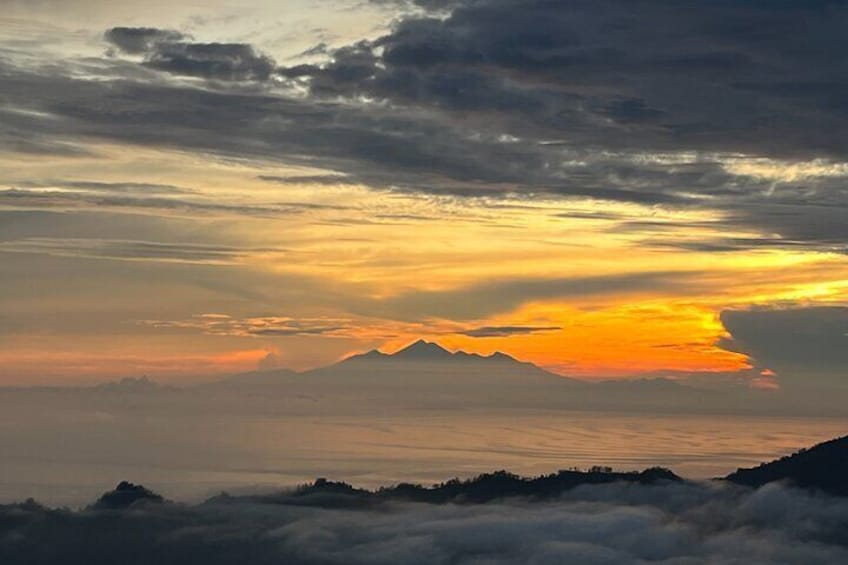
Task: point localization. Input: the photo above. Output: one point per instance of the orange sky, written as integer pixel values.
(135, 243)
(311, 287)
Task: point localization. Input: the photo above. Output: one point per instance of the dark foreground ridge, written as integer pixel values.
(823, 467)
(479, 490)
(125, 495)
(594, 516)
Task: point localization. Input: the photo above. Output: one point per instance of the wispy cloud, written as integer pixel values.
(127, 250)
(506, 331)
(268, 326)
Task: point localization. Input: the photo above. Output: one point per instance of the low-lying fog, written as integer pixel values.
(610, 524)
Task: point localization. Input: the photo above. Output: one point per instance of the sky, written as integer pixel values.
(606, 188)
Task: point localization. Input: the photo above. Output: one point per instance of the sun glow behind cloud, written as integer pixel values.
(385, 260)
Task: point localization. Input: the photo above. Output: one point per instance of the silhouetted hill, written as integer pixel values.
(428, 352)
(823, 466)
(429, 367)
(131, 385)
(479, 490)
(497, 518)
(426, 376)
(423, 351)
(126, 494)
(502, 484)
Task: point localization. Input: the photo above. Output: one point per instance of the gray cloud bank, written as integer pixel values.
(806, 347)
(174, 52)
(618, 100)
(611, 524)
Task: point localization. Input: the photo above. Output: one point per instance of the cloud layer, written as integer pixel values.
(173, 52)
(807, 347)
(731, 105)
(610, 524)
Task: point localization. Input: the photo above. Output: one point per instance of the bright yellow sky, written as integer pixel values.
(365, 268)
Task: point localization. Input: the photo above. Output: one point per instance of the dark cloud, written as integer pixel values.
(506, 331)
(141, 40)
(659, 73)
(135, 197)
(22, 133)
(636, 102)
(289, 332)
(481, 300)
(609, 524)
(44, 222)
(269, 326)
(730, 77)
(732, 244)
(173, 52)
(223, 61)
(806, 346)
(306, 179)
(132, 250)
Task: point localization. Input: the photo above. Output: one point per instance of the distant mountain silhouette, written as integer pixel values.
(498, 485)
(424, 351)
(133, 385)
(429, 352)
(126, 494)
(427, 375)
(418, 359)
(484, 488)
(823, 467)
(422, 375)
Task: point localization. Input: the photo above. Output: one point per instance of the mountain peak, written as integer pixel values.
(822, 467)
(126, 495)
(423, 351)
(132, 384)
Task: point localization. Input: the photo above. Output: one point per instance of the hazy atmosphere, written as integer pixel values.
(244, 245)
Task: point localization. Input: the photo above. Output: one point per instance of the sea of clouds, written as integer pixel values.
(671, 524)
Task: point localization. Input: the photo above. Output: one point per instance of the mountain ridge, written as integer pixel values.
(428, 351)
(820, 467)
(823, 466)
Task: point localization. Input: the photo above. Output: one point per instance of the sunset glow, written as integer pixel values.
(593, 259)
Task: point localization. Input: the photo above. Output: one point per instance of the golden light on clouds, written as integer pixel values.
(784, 171)
(375, 264)
(284, 181)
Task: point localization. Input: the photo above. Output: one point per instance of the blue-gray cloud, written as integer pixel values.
(174, 52)
(494, 97)
(806, 346)
(506, 331)
(481, 300)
